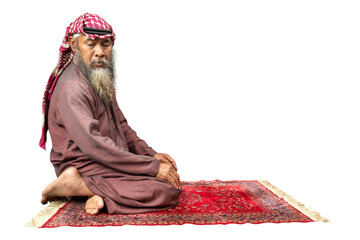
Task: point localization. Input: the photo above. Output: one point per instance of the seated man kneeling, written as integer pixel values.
(95, 152)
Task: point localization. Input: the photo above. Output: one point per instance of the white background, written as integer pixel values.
(232, 90)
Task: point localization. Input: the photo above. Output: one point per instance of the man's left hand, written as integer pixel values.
(165, 158)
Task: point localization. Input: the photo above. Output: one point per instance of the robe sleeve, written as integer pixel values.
(78, 119)
(135, 144)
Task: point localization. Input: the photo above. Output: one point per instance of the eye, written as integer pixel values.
(106, 44)
(90, 43)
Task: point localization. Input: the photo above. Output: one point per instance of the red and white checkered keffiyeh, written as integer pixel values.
(66, 55)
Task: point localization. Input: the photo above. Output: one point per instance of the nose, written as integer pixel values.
(99, 51)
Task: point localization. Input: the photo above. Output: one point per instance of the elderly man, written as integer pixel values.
(95, 152)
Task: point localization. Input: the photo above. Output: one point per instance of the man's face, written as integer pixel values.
(92, 50)
(95, 61)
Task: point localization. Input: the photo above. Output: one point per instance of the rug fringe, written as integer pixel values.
(44, 215)
(299, 206)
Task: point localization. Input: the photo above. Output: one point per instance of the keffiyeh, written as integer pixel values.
(88, 24)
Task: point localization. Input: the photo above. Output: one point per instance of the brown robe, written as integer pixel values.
(96, 139)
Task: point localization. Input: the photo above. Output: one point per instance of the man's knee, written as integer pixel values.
(164, 194)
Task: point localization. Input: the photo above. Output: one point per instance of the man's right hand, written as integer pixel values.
(167, 172)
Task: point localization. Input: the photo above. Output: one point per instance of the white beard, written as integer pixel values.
(102, 82)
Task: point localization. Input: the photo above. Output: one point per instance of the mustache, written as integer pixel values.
(99, 61)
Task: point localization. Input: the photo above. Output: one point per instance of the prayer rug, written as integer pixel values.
(202, 202)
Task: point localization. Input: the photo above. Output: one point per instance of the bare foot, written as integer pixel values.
(94, 204)
(69, 183)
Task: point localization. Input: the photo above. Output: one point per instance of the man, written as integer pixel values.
(95, 152)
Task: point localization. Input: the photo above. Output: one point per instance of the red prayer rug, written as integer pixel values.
(202, 202)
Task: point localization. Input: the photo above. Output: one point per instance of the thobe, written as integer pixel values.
(96, 139)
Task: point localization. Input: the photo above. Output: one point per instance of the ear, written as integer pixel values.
(72, 42)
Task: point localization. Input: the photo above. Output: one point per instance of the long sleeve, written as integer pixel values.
(76, 106)
(135, 144)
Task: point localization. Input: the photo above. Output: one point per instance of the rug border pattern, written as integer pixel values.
(299, 206)
(47, 213)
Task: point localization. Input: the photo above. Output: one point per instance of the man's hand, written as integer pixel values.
(167, 172)
(165, 158)
(168, 169)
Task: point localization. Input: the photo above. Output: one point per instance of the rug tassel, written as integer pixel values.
(299, 206)
(44, 215)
